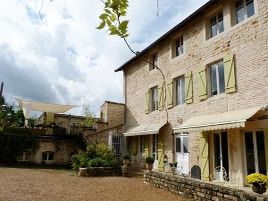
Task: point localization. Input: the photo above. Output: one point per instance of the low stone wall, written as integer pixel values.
(99, 171)
(199, 190)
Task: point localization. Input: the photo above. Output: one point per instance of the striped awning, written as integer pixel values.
(225, 120)
(149, 129)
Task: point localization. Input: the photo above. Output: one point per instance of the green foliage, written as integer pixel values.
(257, 178)
(99, 155)
(149, 159)
(90, 117)
(12, 144)
(126, 157)
(10, 116)
(110, 18)
(97, 162)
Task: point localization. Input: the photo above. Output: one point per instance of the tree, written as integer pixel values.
(90, 117)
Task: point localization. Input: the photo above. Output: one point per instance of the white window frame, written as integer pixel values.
(217, 65)
(244, 10)
(47, 155)
(216, 23)
(179, 90)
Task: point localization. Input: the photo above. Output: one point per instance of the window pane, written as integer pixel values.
(178, 145)
(179, 46)
(50, 156)
(213, 81)
(250, 8)
(240, 13)
(177, 91)
(213, 25)
(221, 77)
(154, 98)
(261, 152)
(220, 23)
(185, 145)
(250, 152)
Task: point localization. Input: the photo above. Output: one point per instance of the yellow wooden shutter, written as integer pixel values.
(134, 145)
(189, 87)
(202, 75)
(161, 97)
(170, 94)
(229, 73)
(160, 151)
(147, 102)
(203, 156)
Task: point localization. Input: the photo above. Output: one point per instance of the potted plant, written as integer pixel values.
(149, 162)
(126, 159)
(259, 182)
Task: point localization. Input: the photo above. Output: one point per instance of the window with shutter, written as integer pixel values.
(147, 102)
(229, 73)
(189, 87)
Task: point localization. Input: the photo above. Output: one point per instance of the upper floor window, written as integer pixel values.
(154, 98)
(216, 24)
(244, 9)
(180, 90)
(153, 61)
(179, 46)
(217, 78)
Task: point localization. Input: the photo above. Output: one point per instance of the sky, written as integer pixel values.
(51, 52)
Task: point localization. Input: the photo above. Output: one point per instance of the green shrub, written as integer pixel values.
(114, 163)
(104, 152)
(97, 162)
(149, 159)
(126, 157)
(79, 160)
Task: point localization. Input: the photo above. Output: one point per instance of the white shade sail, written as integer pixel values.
(144, 130)
(28, 106)
(225, 120)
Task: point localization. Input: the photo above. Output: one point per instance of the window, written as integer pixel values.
(217, 78)
(180, 90)
(116, 141)
(216, 25)
(47, 156)
(154, 98)
(244, 9)
(154, 60)
(179, 47)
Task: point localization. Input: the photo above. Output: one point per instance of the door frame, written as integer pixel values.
(182, 135)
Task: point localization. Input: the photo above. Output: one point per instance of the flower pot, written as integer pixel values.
(125, 161)
(149, 166)
(82, 172)
(258, 188)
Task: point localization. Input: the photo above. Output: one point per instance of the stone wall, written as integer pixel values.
(198, 190)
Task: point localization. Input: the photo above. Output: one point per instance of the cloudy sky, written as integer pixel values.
(61, 58)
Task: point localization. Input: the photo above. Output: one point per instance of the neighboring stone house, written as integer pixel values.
(209, 106)
(62, 135)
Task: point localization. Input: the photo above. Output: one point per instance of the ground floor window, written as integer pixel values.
(47, 156)
(155, 147)
(116, 145)
(142, 144)
(24, 156)
(182, 154)
(255, 152)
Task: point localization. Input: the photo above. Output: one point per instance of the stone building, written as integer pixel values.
(198, 94)
(62, 135)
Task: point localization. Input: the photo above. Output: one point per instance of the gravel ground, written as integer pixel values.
(18, 184)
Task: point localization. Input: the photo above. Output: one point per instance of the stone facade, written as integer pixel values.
(247, 41)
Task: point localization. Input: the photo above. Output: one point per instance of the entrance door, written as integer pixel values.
(155, 151)
(182, 155)
(221, 154)
(255, 152)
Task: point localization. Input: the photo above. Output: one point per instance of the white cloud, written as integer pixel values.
(63, 58)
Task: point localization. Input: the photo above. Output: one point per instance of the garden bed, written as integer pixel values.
(99, 171)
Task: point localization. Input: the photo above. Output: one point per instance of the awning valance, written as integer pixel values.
(144, 130)
(225, 120)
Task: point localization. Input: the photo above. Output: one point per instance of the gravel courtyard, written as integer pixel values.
(18, 184)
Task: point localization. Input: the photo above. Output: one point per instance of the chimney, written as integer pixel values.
(1, 89)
